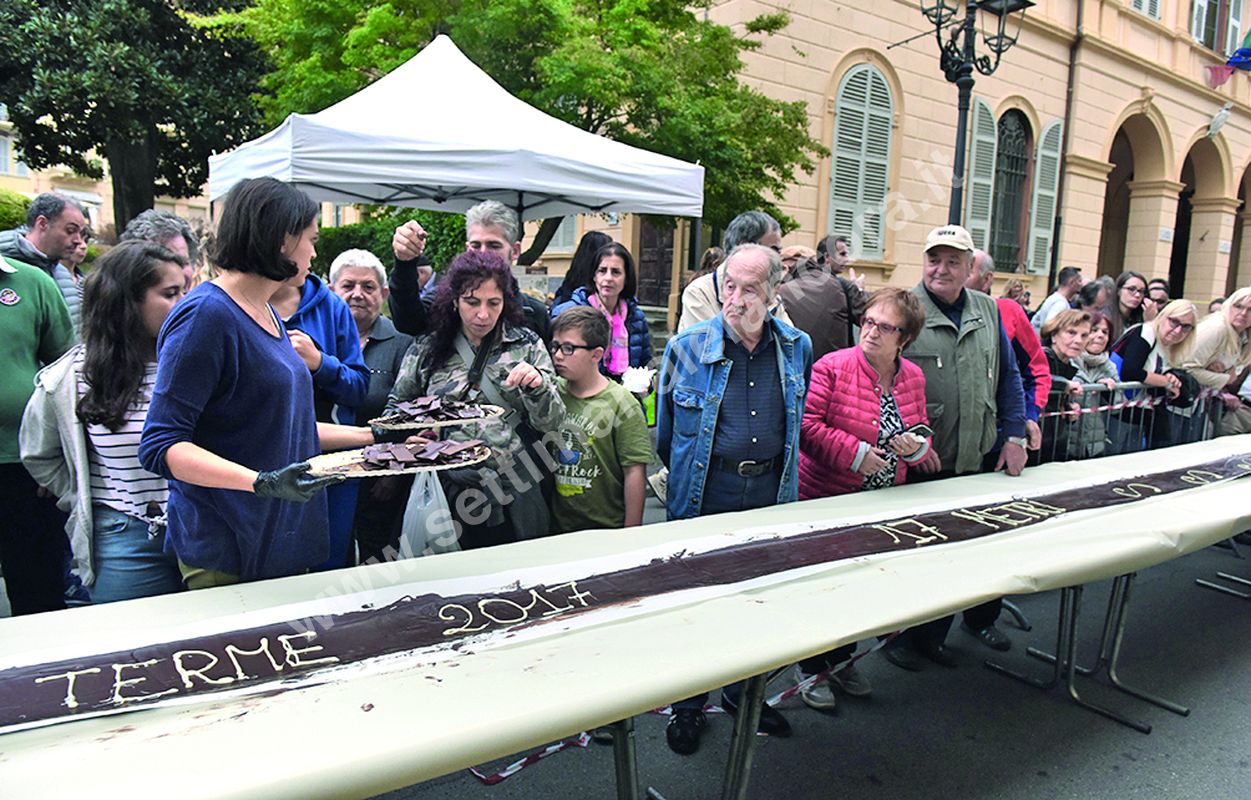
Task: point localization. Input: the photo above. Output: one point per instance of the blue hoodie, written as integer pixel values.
(340, 385)
(342, 381)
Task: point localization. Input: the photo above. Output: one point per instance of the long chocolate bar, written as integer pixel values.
(135, 678)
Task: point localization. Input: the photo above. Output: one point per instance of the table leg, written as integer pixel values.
(743, 743)
(625, 759)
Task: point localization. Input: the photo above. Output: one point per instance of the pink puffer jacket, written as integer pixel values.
(842, 411)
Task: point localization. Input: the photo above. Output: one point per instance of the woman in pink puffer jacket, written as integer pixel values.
(861, 400)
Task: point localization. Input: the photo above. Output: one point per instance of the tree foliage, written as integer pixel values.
(12, 209)
(446, 236)
(132, 80)
(651, 73)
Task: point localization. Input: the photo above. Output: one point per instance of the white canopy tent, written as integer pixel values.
(439, 133)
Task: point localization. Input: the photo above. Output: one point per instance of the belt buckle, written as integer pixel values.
(748, 469)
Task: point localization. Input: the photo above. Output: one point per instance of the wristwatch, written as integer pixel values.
(1019, 441)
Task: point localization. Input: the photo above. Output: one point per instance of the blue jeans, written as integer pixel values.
(726, 491)
(129, 563)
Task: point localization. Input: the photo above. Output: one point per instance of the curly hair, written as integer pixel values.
(116, 346)
(467, 272)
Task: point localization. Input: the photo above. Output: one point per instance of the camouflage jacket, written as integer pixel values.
(542, 408)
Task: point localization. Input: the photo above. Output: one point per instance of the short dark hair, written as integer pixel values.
(631, 274)
(257, 215)
(827, 243)
(1067, 274)
(50, 206)
(590, 322)
(1089, 293)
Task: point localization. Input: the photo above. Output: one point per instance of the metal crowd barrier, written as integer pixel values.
(1125, 418)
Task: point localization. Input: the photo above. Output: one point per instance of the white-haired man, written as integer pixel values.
(728, 385)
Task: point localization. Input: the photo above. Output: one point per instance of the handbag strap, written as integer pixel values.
(477, 368)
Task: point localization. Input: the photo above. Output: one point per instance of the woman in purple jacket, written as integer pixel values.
(854, 436)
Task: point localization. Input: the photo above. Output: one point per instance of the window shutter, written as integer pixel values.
(980, 190)
(1233, 34)
(1149, 7)
(1198, 18)
(860, 162)
(1043, 209)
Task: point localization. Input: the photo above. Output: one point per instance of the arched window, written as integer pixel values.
(1012, 185)
(860, 161)
(1010, 207)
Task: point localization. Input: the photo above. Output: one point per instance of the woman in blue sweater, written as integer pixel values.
(611, 289)
(231, 423)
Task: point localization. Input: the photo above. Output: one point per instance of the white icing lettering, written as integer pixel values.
(186, 673)
(446, 613)
(575, 595)
(521, 612)
(119, 683)
(233, 653)
(295, 656)
(70, 700)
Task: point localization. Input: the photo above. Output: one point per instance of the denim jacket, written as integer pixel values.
(693, 376)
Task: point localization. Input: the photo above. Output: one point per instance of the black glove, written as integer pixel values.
(293, 483)
(389, 435)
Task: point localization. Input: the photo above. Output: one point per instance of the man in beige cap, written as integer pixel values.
(974, 398)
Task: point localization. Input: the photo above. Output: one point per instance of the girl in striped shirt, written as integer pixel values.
(80, 433)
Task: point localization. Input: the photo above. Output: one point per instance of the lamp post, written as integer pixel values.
(958, 58)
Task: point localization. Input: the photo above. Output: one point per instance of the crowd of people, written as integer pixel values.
(156, 434)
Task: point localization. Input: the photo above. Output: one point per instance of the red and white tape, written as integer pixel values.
(1146, 402)
(581, 740)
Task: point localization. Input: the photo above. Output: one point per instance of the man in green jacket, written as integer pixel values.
(974, 402)
(35, 328)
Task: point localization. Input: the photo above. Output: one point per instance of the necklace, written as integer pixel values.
(258, 314)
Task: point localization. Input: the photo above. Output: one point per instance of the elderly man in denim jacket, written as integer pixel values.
(728, 385)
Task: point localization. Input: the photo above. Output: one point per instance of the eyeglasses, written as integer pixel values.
(884, 328)
(1134, 290)
(1184, 327)
(566, 349)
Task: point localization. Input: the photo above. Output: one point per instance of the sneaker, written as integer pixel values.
(659, 481)
(820, 697)
(990, 636)
(685, 727)
(602, 735)
(772, 723)
(852, 682)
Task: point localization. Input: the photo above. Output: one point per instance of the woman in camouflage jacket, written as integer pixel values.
(478, 305)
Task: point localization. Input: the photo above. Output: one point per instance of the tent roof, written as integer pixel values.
(438, 133)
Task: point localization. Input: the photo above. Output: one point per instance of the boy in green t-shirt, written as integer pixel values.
(605, 448)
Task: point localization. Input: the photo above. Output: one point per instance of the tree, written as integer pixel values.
(133, 81)
(649, 73)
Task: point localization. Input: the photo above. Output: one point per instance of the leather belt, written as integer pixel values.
(746, 469)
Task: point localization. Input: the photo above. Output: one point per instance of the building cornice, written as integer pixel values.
(1086, 167)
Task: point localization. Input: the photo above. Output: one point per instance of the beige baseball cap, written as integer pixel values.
(949, 236)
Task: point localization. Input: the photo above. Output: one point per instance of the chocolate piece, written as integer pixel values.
(218, 661)
(431, 408)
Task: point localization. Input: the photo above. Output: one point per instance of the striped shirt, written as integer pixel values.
(118, 481)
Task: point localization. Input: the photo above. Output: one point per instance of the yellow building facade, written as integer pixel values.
(1093, 144)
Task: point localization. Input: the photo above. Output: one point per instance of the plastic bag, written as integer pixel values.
(428, 523)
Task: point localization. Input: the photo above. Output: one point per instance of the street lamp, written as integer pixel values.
(958, 57)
